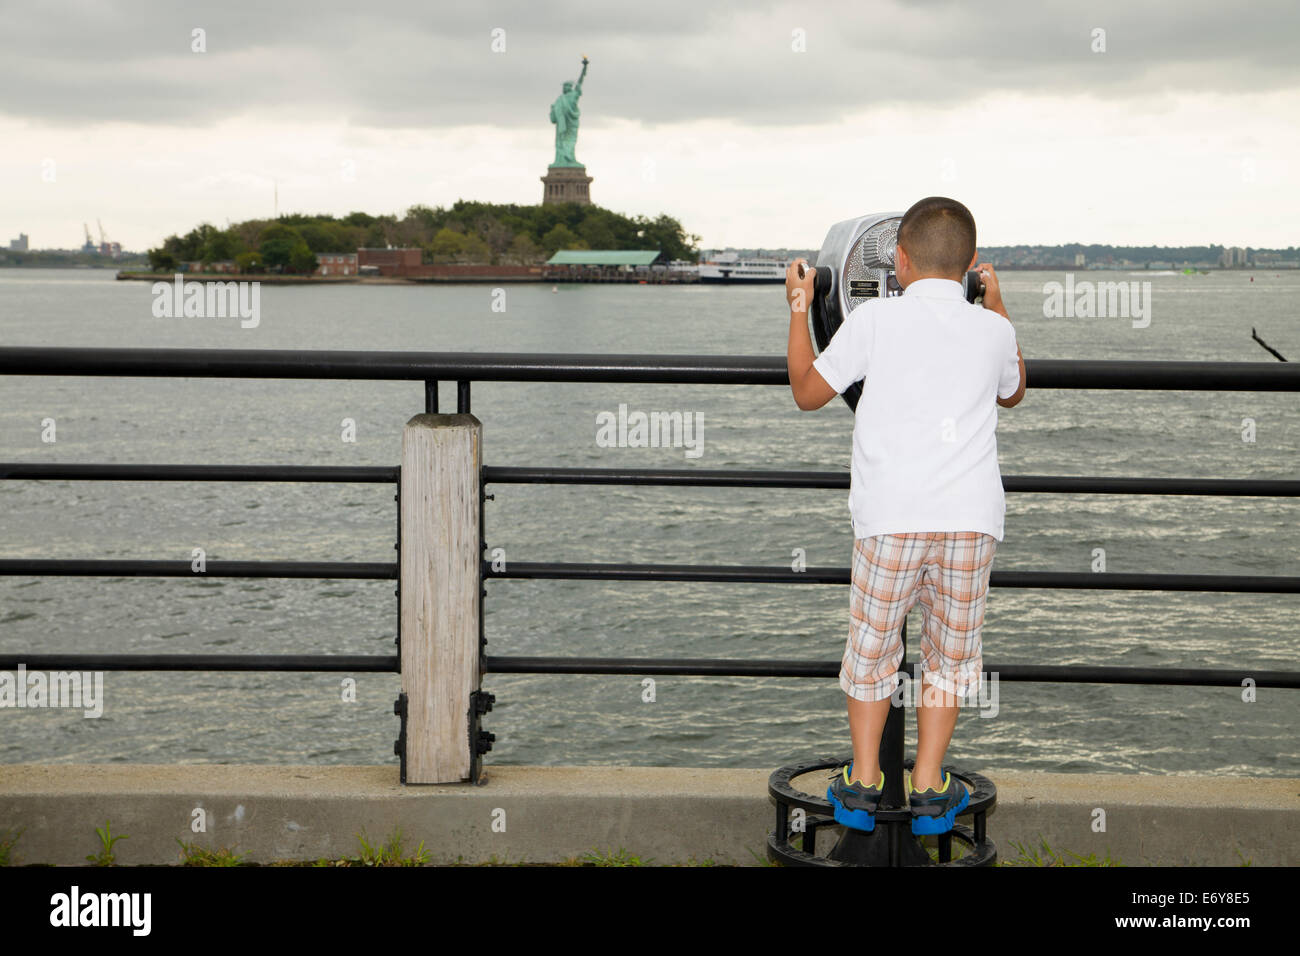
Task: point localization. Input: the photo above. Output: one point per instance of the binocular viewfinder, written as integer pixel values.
(856, 264)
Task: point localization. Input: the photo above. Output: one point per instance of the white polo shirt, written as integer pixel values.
(925, 452)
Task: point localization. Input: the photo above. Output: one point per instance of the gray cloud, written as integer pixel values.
(428, 65)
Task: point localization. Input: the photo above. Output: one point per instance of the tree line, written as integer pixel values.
(466, 233)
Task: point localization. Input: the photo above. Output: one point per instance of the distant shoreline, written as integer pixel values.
(490, 278)
(273, 279)
(61, 265)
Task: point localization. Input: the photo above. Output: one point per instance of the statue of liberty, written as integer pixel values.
(564, 114)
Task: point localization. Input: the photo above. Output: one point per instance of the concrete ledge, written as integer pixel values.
(670, 815)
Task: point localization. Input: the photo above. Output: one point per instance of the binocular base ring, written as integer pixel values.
(891, 843)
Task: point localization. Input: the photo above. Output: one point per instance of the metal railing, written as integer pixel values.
(430, 368)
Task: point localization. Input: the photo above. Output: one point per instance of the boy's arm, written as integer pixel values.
(1014, 400)
(993, 300)
(806, 383)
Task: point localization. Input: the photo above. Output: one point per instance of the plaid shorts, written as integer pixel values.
(948, 574)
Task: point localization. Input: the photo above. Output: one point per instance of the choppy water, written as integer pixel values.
(603, 720)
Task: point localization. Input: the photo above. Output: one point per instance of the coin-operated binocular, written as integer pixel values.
(856, 264)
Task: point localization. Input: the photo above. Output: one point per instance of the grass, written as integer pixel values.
(105, 856)
(622, 857)
(194, 855)
(1044, 855)
(7, 840)
(388, 853)
(619, 858)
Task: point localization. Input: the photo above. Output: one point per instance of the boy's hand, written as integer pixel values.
(799, 292)
(992, 291)
(809, 388)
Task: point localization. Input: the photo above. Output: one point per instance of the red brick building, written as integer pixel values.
(390, 262)
(336, 263)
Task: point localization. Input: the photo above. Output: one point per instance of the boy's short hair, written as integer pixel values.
(939, 236)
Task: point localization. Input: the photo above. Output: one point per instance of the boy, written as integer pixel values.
(925, 491)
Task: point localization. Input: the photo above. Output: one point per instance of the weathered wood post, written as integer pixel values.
(440, 571)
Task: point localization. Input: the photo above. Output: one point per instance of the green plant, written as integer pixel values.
(194, 855)
(7, 840)
(388, 853)
(106, 857)
(619, 858)
(762, 860)
(1049, 857)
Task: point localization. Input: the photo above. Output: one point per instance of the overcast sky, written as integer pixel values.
(753, 123)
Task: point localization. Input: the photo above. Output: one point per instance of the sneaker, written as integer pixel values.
(855, 803)
(935, 810)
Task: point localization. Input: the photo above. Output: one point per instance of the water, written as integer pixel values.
(706, 722)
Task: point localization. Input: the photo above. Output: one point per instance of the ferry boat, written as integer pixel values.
(732, 268)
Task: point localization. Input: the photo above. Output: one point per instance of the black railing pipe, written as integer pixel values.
(342, 474)
(650, 369)
(108, 567)
(252, 663)
(740, 478)
(1033, 673)
(781, 574)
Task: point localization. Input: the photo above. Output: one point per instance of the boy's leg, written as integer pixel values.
(936, 718)
(952, 597)
(884, 577)
(866, 727)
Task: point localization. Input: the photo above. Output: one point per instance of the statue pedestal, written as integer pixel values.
(566, 184)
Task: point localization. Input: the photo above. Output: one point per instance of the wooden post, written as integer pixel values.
(440, 583)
